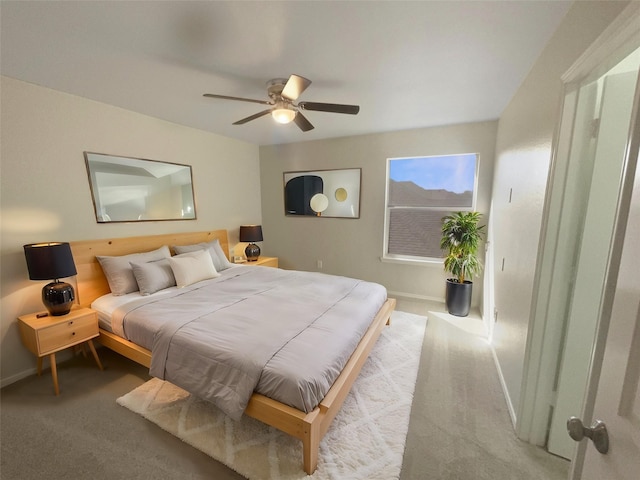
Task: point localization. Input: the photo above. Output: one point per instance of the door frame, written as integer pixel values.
(624, 204)
(547, 316)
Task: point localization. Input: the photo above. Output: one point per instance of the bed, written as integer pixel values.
(306, 424)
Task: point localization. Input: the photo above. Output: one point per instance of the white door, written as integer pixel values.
(614, 396)
(612, 118)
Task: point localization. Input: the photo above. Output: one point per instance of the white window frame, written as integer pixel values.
(396, 258)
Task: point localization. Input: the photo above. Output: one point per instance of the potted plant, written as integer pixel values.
(461, 236)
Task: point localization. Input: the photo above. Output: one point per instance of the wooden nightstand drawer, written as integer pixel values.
(50, 334)
(44, 335)
(66, 334)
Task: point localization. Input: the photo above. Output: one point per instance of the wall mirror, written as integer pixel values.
(128, 189)
(323, 193)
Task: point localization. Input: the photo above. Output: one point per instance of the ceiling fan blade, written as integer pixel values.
(225, 97)
(295, 86)
(253, 117)
(330, 107)
(302, 122)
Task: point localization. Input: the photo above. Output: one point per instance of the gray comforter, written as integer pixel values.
(285, 334)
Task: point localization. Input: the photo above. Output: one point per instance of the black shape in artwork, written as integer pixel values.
(298, 193)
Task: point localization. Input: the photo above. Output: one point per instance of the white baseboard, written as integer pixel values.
(505, 391)
(415, 296)
(60, 357)
(18, 376)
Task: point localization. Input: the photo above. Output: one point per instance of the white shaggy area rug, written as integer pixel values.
(365, 441)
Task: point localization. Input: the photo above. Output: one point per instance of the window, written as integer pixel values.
(420, 191)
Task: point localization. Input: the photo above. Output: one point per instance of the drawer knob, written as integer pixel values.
(73, 334)
(70, 322)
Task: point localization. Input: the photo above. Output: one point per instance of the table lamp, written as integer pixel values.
(251, 234)
(51, 261)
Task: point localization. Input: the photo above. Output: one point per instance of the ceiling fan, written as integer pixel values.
(283, 93)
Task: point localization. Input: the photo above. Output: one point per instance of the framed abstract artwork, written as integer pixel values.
(323, 193)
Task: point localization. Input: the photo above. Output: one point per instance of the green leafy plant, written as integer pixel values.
(461, 236)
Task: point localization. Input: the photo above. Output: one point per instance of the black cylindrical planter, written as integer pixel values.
(458, 297)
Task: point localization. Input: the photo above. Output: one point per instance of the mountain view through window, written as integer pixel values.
(420, 191)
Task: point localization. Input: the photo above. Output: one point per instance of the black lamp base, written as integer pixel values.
(252, 252)
(58, 297)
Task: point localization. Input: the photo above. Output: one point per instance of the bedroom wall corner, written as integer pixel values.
(353, 247)
(45, 195)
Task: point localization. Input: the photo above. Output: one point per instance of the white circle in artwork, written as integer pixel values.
(319, 202)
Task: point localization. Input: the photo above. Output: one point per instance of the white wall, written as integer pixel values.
(523, 153)
(45, 192)
(353, 247)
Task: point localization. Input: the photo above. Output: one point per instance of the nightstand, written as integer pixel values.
(265, 262)
(48, 335)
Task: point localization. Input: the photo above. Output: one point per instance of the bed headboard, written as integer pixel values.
(91, 280)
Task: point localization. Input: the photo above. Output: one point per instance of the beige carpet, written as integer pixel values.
(365, 441)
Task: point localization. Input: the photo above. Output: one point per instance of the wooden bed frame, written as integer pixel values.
(307, 427)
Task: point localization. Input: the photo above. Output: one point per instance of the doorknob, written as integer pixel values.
(597, 433)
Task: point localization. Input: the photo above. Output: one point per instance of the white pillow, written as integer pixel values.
(220, 261)
(192, 267)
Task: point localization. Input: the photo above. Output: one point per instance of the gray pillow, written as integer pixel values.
(153, 276)
(220, 261)
(119, 272)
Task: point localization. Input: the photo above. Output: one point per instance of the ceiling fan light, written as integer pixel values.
(283, 115)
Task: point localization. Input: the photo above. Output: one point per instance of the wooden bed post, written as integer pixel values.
(311, 442)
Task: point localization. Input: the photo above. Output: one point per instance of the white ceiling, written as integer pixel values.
(407, 64)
